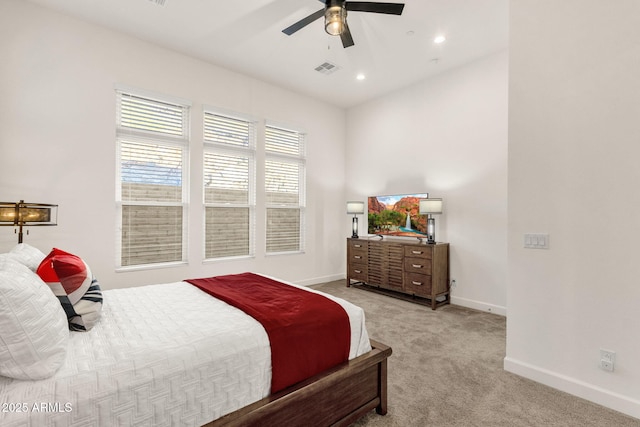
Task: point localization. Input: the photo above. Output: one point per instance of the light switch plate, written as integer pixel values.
(536, 241)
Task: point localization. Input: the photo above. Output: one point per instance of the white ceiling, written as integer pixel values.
(246, 36)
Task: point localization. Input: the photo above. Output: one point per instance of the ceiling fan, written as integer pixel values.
(335, 16)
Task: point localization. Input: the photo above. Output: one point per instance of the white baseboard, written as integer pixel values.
(316, 280)
(573, 386)
(479, 305)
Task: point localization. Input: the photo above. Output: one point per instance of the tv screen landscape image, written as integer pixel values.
(397, 215)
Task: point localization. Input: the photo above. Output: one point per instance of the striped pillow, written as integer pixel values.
(71, 280)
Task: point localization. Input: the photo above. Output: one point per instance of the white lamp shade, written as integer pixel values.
(355, 208)
(430, 206)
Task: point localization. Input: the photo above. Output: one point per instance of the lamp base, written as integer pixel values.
(354, 227)
(431, 230)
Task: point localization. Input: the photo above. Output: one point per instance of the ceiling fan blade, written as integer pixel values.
(346, 38)
(370, 6)
(303, 22)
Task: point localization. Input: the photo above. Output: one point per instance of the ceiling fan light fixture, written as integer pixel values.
(335, 19)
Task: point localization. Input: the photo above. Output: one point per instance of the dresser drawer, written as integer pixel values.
(357, 257)
(358, 245)
(417, 265)
(418, 251)
(418, 284)
(358, 272)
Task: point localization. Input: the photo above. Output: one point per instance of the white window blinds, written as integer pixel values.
(152, 116)
(229, 186)
(152, 142)
(285, 189)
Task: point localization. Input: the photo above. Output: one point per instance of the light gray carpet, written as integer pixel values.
(447, 370)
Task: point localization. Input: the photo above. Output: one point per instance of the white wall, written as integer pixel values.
(574, 145)
(446, 136)
(57, 142)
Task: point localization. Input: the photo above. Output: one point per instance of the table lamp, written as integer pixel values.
(431, 207)
(355, 208)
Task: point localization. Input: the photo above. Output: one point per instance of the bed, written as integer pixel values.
(170, 354)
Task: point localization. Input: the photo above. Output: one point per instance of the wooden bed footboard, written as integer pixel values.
(337, 397)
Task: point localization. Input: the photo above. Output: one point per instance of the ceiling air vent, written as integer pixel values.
(159, 2)
(327, 68)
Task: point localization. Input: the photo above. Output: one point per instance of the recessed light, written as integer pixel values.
(361, 76)
(439, 39)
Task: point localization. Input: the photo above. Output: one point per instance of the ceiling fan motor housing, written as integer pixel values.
(333, 3)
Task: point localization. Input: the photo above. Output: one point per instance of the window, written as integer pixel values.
(152, 145)
(285, 189)
(229, 186)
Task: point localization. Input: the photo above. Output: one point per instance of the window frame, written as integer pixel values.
(299, 158)
(248, 152)
(133, 135)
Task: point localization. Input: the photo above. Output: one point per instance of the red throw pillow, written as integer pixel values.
(70, 279)
(68, 270)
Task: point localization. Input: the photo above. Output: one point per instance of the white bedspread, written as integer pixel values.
(161, 355)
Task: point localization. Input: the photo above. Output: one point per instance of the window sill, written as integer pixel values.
(227, 259)
(151, 266)
(284, 253)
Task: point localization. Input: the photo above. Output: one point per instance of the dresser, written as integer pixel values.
(409, 270)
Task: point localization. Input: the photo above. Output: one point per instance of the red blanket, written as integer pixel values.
(309, 333)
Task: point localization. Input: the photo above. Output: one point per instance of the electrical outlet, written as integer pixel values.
(606, 365)
(453, 283)
(608, 355)
(607, 359)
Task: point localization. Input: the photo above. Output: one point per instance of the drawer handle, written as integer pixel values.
(416, 266)
(416, 252)
(357, 257)
(416, 283)
(358, 271)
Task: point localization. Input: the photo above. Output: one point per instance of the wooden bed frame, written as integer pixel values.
(337, 397)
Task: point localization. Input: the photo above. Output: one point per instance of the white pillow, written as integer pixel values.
(33, 326)
(27, 255)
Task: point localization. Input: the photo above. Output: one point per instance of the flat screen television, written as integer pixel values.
(397, 215)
